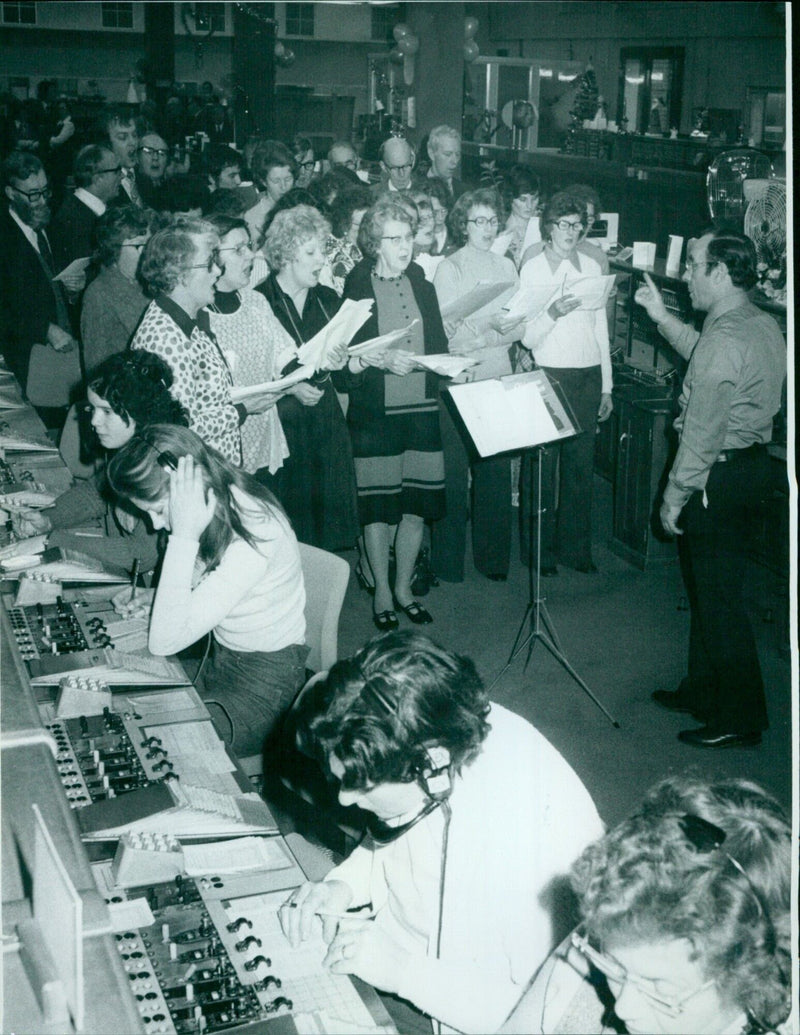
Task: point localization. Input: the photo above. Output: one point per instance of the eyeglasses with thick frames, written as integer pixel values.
(400, 239)
(483, 221)
(307, 165)
(162, 151)
(35, 195)
(400, 168)
(209, 264)
(566, 224)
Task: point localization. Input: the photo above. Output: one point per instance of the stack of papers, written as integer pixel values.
(302, 373)
(338, 331)
(529, 301)
(482, 294)
(376, 346)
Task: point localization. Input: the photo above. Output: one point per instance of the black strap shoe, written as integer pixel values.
(713, 737)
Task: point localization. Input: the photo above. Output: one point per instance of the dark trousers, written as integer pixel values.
(724, 679)
(490, 508)
(567, 475)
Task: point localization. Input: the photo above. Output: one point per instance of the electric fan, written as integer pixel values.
(725, 183)
(765, 225)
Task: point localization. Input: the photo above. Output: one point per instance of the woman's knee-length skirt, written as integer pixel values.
(399, 466)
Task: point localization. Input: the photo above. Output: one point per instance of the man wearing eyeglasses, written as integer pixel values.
(720, 475)
(397, 162)
(35, 330)
(98, 175)
(151, 169)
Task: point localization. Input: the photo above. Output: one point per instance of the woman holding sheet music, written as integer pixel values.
(316, 484)
(392, 415)
(255, 344)
(487, 336)
(570, 343)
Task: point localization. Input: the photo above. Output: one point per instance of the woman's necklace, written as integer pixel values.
(388, 280)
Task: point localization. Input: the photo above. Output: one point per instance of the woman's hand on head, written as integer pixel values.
(312, 899)
(398, 361)
(306, 393)
(191, 505)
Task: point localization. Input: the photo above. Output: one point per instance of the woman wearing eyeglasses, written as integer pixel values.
(686, 921)
(393, 419)
(113, 302)
(474, 820)
(571, 345)
(125, 393)
(486, 336)
(255, 344)
(180, 267)
(231, 567)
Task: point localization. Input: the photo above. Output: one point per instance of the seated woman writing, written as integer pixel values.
(686, 909)
(475, 818)
(123, 394)
(231, 566)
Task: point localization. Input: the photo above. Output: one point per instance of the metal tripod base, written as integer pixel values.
(536, 614)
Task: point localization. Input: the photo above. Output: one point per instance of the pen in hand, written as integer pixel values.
(134, 578)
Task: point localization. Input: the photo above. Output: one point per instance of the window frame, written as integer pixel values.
(20, 5)
(115, 9)
(304, 11)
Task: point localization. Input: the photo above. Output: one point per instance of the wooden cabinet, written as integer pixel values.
(642, 449)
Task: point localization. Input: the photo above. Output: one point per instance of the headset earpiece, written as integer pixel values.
(435, 778)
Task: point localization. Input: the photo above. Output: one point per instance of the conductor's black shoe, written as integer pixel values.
(673, 702)
(714, 737)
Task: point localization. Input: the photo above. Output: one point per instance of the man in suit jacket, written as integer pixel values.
(34, 308)
(444, 151)
(98, 175)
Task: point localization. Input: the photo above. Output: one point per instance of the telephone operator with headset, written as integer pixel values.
(449, 901)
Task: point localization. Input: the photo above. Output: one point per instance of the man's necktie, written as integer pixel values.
(130, 188)
(46, 255)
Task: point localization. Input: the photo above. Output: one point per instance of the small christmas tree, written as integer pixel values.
(585, 106)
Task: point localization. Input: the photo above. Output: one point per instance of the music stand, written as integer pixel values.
(546, 419)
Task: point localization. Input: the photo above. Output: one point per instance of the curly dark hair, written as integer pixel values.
(646, 881)
(116, 225)
(381, 710)
(340, 212)
(486, 197)
(560, 205)
(136, 385)
(518, 180)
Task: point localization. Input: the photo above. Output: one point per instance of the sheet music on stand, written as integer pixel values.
(514, 412)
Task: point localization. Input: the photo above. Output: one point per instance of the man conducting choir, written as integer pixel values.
(475, 821)
(731, 392)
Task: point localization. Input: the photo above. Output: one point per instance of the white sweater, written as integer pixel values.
(254, 600)
(579, 339)
(520, 818)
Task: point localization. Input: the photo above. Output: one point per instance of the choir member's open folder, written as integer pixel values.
(515, 412)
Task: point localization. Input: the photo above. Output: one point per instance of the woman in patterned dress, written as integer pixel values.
(341, 248)
(254, 343)
(180, 267)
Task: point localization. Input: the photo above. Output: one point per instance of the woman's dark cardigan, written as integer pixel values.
(366, 389)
